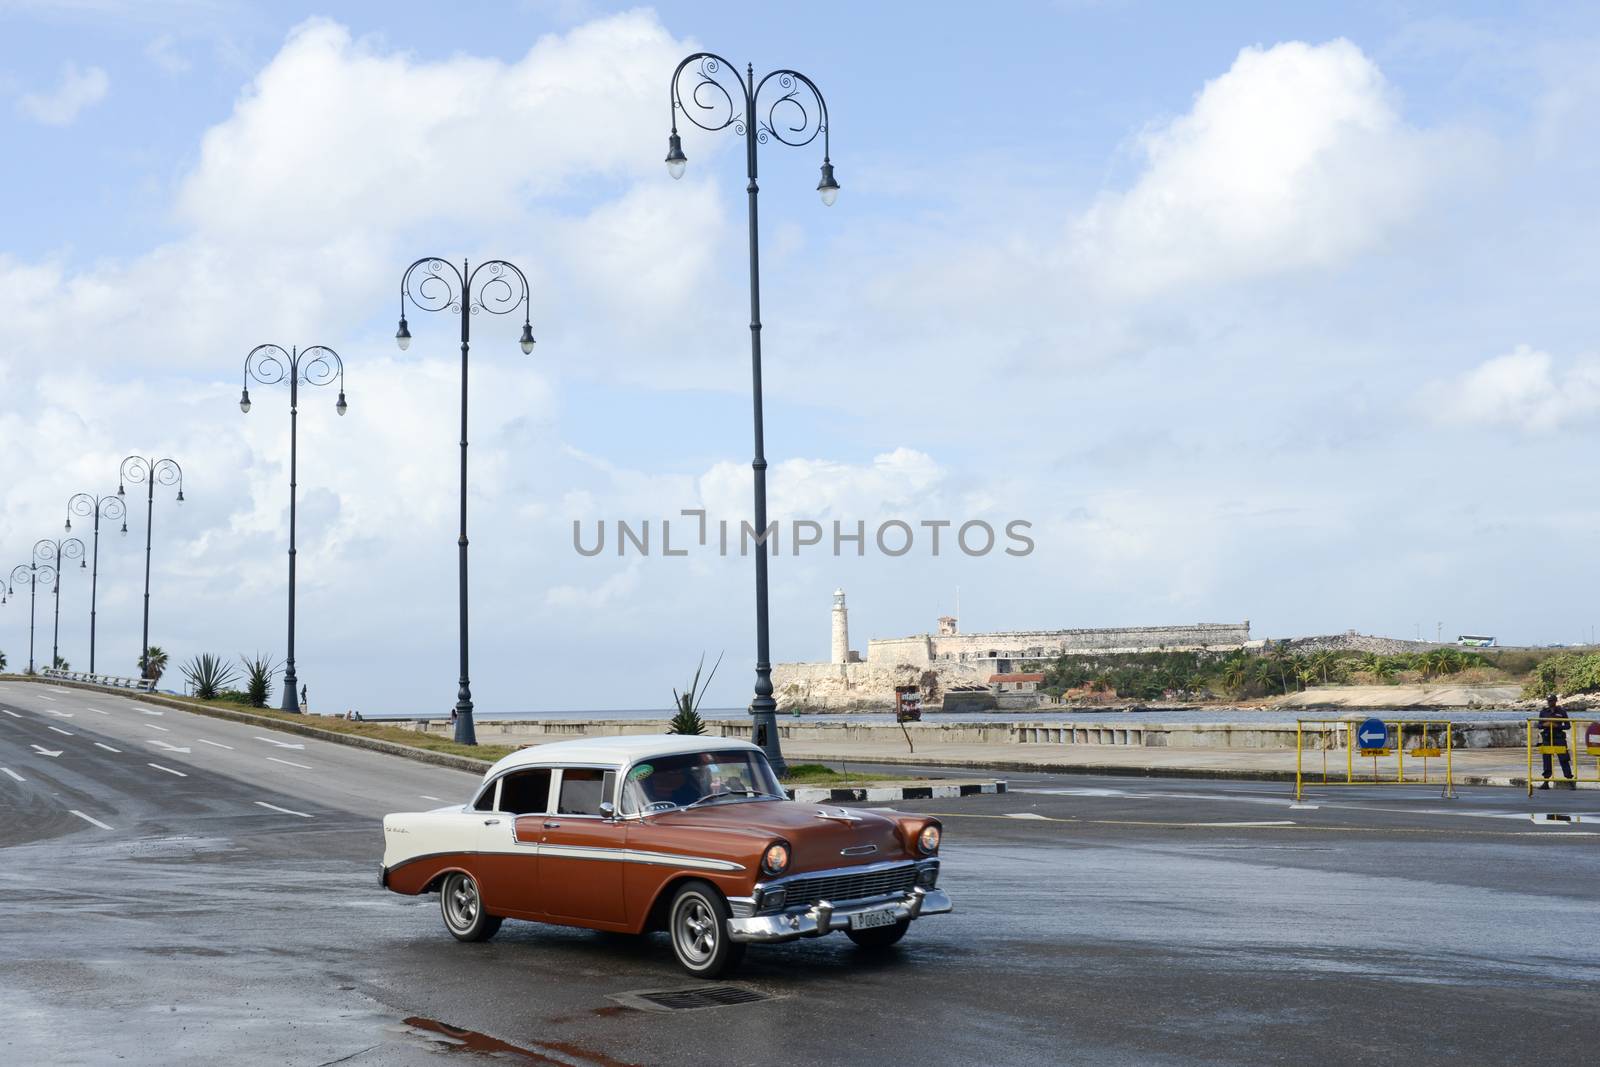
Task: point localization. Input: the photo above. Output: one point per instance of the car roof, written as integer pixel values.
(616, 751)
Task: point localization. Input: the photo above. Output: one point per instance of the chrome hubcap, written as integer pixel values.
(696, 930)
(461, 902)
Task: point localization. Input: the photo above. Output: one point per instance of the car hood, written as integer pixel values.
(818, 834)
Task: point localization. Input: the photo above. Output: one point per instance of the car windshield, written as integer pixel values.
(698, 778)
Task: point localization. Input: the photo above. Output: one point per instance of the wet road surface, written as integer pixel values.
(176, 889)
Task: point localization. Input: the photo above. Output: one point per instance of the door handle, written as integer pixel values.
(552, 826)
(491, 822)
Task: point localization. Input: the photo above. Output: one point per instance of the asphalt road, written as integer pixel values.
(181, 890)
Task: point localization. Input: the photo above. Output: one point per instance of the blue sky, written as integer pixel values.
(1269, 311)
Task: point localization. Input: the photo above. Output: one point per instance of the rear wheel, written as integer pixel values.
(698, 924)
(462, 908)
(879, 937)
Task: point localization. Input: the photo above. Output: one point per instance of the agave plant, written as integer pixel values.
(258, 672)
(208, 675)
(687, 718)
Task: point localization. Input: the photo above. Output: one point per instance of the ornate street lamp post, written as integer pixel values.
(30, 572)
(83, 505)
(796, 115)
(150, 471)
(53, 554)
(269, 365)
(429, 288)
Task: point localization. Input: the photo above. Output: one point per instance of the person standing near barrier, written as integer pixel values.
(1552, 732)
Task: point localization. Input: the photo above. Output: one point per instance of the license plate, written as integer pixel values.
(866, 920)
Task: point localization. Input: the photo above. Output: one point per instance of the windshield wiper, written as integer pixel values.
(732, 793)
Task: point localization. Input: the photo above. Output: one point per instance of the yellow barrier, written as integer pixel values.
(1432, 740)
(1575, 748)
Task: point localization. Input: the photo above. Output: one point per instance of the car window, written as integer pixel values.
(526, 792)
(485, 801)
(583, 789)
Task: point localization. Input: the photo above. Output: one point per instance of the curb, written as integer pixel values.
(392, 748)
(816, 794)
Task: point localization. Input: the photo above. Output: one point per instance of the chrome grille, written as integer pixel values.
(846, 886)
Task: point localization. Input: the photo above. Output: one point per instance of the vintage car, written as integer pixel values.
(692, 835)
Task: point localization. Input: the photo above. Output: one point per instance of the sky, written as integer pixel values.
(1270, 312)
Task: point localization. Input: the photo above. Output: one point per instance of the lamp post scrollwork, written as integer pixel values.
(84, 505)
(138, 469)
(433, 284)
(271, 365)
(796, 115)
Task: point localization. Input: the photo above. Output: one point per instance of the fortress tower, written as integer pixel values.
(841, 629)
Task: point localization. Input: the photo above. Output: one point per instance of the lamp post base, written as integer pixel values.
(291, 689)
(764, 732)
(465, 734)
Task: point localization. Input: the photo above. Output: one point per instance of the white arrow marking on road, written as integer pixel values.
(169, 748)
(1024, 815)
(147, 711)
(59, 730)
(63, 714)
(51, 699)
(425, 796)
(13, 774)
(108, 748)
(89, 818)
(280, 744)
(169, 770)
(46, 752)
(286, 763)
(286, 811)
(214, 744)
(153, 726)
(11, 713)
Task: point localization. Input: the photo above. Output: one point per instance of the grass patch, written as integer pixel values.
(400, 735)
(817, 774)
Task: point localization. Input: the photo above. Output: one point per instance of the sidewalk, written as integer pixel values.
(1496, 766)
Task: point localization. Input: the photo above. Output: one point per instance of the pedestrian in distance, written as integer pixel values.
(1553, 731)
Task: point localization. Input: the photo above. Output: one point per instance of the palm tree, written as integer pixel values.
(155, 663)
(2, 661)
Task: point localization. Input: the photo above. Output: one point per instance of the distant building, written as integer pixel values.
(1016, 683)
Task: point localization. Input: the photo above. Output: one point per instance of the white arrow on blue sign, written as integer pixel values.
(1373, 733)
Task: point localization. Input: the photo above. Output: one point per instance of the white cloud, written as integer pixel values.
(61, 106)
(1296, 157)
(1522, 390)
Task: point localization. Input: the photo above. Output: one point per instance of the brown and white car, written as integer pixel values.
(692, 835)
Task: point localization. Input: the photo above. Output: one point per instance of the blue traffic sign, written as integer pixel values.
(1373, 733)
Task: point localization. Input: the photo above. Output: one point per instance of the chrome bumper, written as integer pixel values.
(824, 918)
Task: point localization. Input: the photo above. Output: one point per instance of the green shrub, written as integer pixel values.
(258, 672)
(1567, 672)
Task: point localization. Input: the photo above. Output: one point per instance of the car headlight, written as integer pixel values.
(928, 840)
(775, 860)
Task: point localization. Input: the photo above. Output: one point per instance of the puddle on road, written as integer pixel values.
(548, 1052)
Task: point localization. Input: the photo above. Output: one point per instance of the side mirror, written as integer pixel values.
(608, 810)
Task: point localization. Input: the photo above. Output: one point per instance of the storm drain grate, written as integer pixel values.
(710, 996)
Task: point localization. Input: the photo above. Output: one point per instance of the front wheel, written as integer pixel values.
(879, 937)
(698, 923)
(462, 908)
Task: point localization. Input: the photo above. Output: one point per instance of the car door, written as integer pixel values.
(512, 886)
(581, 853)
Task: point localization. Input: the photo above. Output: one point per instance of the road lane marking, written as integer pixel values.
(1274, 822)
(59, 730)
(58, 689)
(89, 818)
(286, 811)
(108, 748)
(97, 711)
(214, 744)
(169, 748)
(43, 697)
(153, 726)
(280, 744)
(147, 711)
(1024, 815)
(287, 763)
(63, 714)
(11, 713)
(13, 774)
(425, 796)
(169, 770)
(52, 753)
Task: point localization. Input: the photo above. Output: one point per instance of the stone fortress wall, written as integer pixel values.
(949, 660)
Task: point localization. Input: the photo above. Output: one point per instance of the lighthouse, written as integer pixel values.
(841, 628)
